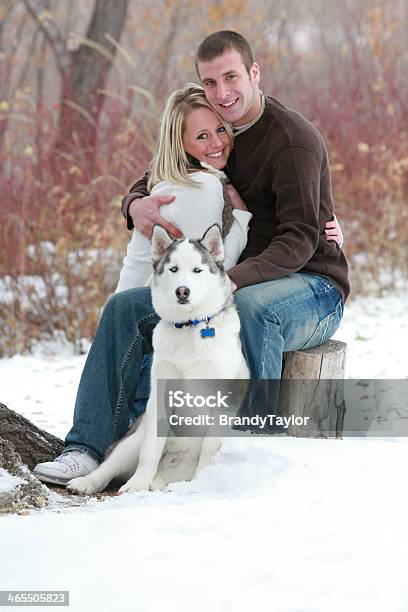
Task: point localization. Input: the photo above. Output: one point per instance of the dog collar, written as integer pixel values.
(207, 332)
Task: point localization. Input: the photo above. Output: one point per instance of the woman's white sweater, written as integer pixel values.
(193, 211)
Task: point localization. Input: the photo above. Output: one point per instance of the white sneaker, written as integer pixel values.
(69, 465)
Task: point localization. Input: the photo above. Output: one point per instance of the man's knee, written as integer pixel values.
(255, 301)
(273, 297)
(133, 301)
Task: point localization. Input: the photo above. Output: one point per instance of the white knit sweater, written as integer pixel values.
(193, 211)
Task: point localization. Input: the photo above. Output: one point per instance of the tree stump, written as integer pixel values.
(312, 386)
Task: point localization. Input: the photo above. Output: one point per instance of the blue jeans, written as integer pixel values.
(298, 311)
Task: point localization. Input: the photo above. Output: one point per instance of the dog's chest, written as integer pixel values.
(192, 353)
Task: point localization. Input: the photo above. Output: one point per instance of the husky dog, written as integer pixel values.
(190, 292)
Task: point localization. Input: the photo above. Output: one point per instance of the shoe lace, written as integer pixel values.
(69, 459)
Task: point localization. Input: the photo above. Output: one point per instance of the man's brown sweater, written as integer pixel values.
(280, 167)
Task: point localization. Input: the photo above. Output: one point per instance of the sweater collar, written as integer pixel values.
(243, 128)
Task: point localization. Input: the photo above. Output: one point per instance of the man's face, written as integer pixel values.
(230, 89)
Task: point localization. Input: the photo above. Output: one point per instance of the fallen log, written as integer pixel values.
(33, 445)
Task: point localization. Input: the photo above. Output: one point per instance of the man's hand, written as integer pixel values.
(145, 214)
(333, 231)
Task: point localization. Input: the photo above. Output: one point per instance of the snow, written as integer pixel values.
(276, 524)
(8, 482)
(42, 386)
(376, 332)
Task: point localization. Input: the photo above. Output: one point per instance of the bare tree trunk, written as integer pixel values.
(88, 75)
(83, 72)
(6, 91)
(32, 444)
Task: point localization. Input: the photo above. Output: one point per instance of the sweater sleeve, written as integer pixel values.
(138, 190)
(236, 239)
(194, 211)
(137, 268)
(296, 190)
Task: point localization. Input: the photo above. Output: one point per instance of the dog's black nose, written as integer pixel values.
(182, 293)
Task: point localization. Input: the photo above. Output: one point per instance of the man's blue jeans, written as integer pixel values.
(298, 311)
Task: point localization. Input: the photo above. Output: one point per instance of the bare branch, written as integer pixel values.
(27, 65)
(5, 11)
(51, 31)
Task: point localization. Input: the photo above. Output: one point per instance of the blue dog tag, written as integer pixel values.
(208, 332)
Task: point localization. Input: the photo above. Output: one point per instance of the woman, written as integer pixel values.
(193, 146)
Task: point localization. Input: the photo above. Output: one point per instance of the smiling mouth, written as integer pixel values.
(229, 104)
(215, 155)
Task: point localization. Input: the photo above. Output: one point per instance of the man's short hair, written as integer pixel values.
(218, 43)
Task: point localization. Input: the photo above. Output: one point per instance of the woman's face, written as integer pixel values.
(205, 138)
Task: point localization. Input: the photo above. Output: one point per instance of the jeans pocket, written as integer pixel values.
(326, 328)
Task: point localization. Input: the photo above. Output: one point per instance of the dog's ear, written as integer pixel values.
(161, 241)
(212, 241)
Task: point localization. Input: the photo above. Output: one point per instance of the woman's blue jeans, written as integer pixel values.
(298, 311)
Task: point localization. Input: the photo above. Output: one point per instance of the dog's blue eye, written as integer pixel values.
(197, 270)
(173, 269)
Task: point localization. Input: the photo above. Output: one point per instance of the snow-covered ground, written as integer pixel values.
(276, 524)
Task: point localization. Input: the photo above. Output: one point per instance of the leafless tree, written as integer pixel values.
(83, 71)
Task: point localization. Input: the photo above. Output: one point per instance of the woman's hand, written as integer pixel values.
(333, 231)
(236, 200)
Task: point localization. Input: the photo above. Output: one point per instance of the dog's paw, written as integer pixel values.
(134, 485)
(158, 484)
(84, 485)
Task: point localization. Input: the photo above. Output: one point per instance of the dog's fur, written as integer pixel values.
(179, 353)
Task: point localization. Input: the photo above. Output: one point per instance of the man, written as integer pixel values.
(291, 282)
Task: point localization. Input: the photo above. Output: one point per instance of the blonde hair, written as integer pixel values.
(170, 162)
